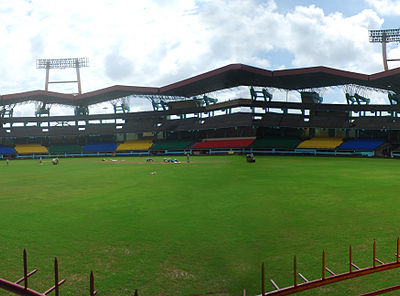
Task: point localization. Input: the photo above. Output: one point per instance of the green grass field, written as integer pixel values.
(199, 227)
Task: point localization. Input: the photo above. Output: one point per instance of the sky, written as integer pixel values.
(158, 42)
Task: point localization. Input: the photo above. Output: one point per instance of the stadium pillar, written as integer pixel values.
(78, 77)
(46, 86)
(385, 65)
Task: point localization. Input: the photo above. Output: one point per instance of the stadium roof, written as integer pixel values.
(291, 79)
(226, 77)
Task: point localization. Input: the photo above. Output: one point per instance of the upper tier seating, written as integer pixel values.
(228, 143)
(132, 145)
(321, 143)
(30, 148)
(362, 144)
(178, 124)
(224, 121)
(99, 147)
(59, 148)
(171, 145)
(276, 142)
(372, 122)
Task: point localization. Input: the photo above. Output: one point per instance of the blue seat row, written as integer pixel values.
(361, 144)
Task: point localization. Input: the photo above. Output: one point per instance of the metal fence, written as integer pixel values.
(330, 277)
(24, 290)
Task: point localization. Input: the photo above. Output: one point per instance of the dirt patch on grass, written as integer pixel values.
(177, 274)
(78, 278)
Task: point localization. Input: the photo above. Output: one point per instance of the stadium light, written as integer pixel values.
(385, 36)
(76, 63)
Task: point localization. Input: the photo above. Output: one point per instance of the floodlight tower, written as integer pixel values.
(385, 36)
(76, 63)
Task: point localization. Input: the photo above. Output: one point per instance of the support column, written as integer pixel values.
(78, 77)
(385, 65)
(46, 86)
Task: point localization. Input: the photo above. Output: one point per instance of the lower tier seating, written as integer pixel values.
(221, 143)
(65, 149)
(132, 145)
(276, 142)
(361, 144)
(99, 147)
(30, 148)
(171, 145)
(7, 150)
(321, 143)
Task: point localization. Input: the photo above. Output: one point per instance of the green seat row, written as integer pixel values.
(65, 149)
(171, 145)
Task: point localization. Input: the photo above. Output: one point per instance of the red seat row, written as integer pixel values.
(231, 143)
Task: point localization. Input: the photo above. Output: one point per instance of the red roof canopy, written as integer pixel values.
(222, 78)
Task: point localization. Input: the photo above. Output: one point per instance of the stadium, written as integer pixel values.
(185, 119)
(152, 201)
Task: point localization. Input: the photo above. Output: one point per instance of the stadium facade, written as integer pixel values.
(186, 118)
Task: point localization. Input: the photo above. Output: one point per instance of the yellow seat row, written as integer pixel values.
(135, 145)
(30, 148)
(321, 143)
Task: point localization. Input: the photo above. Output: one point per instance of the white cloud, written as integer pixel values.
(386, 7)
(332, 40)
(238, 34)
(118, 67)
